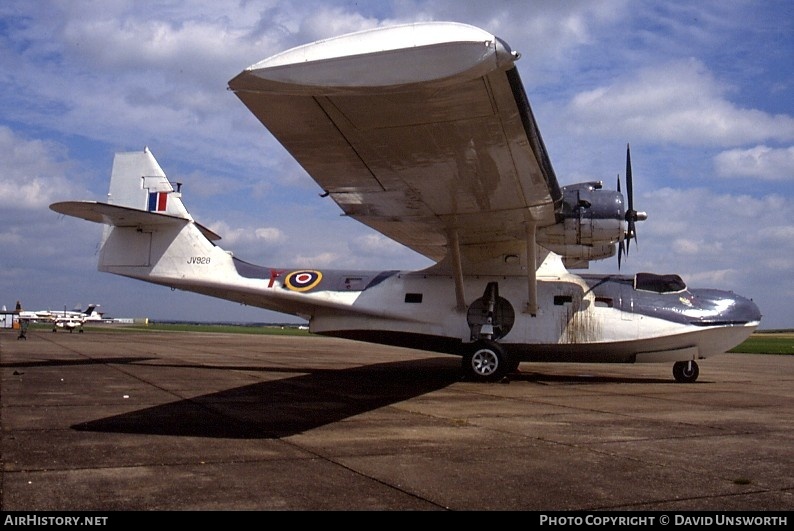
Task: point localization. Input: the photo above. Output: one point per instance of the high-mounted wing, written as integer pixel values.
(422, 132)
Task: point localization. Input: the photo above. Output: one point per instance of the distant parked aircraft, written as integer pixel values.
(65, 319)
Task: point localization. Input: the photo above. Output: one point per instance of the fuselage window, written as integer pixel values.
(559, 300)
(414, 298)
(604, 302)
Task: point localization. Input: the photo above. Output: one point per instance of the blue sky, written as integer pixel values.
(703, 91)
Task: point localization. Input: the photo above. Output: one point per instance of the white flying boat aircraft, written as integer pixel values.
(424, 133)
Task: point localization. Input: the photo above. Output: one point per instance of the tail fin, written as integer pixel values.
(147, 224)
(138, 182)
(140, 196)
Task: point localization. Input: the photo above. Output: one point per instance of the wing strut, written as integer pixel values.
(457, 267)
(532, 281)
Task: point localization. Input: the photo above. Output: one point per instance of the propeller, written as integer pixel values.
(621, 246)
(632, 216)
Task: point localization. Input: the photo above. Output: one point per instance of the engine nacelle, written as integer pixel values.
(593, 220)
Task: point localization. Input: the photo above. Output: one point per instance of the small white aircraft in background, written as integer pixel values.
(424, 133)
(36, 315)
(68, 322)
(67, 319)
(75, 319)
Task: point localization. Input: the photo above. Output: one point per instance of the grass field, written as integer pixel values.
(765, 342)
(768, 343)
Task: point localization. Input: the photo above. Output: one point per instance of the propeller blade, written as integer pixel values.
(631, 215)
(632, 235)
(629, 183)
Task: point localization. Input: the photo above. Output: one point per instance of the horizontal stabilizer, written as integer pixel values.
(120, 216)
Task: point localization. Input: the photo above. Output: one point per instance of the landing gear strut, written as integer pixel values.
(490, 318)
(685, 371)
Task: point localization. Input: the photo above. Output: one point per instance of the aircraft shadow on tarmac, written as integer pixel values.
(292, 405)
(73, 363)
(581, 378)
(286, 406)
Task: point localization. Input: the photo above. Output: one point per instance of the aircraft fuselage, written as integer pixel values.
(580, 318)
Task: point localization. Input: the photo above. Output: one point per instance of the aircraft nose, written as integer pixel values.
(725, 307)
(744, 310)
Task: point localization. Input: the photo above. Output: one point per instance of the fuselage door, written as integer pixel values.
(627, 301)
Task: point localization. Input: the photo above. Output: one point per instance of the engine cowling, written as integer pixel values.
(592, 222)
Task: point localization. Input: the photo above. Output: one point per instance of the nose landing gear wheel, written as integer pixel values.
(486, 361)
(685, 371)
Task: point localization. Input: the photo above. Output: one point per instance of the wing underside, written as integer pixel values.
(422, 132)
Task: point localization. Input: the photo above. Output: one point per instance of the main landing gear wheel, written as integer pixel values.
(685, 371)
(487, 361)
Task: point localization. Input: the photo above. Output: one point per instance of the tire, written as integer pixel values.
(486, 361)
(685, 371)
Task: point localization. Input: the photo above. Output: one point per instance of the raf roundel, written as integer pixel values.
(302, 280)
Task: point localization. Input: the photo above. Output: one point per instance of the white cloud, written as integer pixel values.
(679, 102)
(245, 236)
(328, 21)
(702, 209)
(377, 246)
(779, 263)
(11, 236)
(325, 259)
(269, 235)
(33, 172)
(761, 162)
(687, 246)
(716, 277)
(781, 233)
(559, 26)
(715, 239)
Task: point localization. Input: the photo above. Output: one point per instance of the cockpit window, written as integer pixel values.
(659, 283)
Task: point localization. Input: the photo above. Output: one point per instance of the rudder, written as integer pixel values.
(137, 181)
